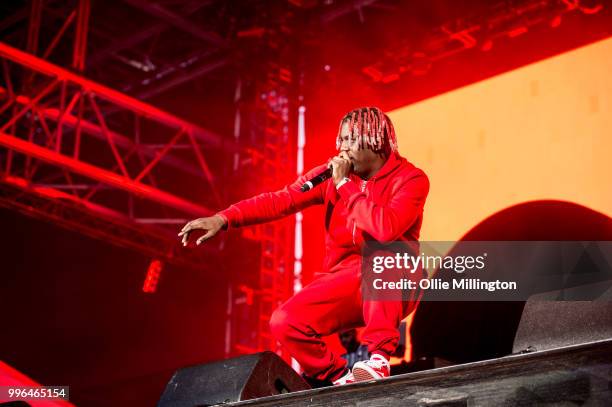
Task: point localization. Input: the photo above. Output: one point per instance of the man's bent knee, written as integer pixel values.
(279, 323)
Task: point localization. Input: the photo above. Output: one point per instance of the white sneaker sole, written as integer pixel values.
(363, 372)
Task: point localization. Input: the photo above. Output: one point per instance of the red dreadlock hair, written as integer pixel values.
(372, 128)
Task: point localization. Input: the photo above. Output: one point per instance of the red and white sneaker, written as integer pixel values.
(346, 379)
(375, 368)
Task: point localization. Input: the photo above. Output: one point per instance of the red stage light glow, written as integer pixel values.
(152, 278)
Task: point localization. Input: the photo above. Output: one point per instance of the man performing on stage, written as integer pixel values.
(374, 194)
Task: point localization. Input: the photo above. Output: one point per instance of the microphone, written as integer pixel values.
(316, 180)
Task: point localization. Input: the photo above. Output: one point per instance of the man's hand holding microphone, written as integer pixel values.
(341, 167)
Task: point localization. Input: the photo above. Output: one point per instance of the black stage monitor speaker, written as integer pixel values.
(242, 378)
(547, 324)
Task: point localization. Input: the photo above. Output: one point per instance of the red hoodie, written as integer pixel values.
(385, 208)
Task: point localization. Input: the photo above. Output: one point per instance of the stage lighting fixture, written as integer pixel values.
(152, 278)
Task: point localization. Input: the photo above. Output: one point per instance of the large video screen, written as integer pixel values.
(543, 131)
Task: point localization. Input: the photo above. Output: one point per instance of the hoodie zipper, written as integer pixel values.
(363, 187)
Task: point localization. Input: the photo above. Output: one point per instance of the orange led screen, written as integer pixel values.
(543, 131)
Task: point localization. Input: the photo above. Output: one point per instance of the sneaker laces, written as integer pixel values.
(378, 362)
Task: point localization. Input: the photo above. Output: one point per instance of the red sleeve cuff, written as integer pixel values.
(232, 216)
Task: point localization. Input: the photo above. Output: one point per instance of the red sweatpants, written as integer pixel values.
(331, 303)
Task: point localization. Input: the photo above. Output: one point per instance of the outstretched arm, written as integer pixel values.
(261, 208)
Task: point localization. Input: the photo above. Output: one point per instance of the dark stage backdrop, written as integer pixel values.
(73, 313)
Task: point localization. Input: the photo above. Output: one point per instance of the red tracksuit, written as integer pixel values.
(387, 207)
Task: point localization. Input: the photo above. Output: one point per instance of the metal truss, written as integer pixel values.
(95, 221)
(274, 110)
(276, 264)
(64, 161)
(503, 20)
(179, 22)
(140, 35)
